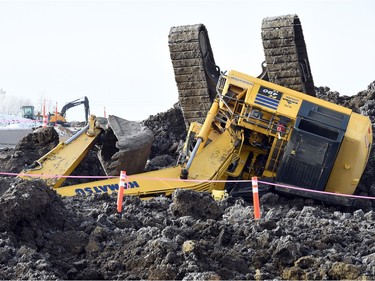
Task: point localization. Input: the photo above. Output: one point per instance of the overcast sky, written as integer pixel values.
(116, 52)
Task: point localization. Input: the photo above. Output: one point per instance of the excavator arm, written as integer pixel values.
(74, 103)
(216, 157)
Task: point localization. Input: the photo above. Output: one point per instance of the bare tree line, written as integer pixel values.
(11, 105)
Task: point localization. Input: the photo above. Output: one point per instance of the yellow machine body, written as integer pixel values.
(277, 113)
(164, 182)
(56, 119)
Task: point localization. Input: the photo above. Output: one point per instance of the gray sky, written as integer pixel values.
(116, 52)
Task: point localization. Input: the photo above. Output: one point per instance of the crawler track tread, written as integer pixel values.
(286, 55)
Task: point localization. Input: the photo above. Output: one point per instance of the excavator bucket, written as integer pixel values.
(126, 146)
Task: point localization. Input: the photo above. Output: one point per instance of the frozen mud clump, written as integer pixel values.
(198, 205)
(170, 133)
(31, 213)
(25, 200)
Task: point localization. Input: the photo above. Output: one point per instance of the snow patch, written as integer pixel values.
(15, 122)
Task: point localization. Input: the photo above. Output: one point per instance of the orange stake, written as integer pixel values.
(44, 121)
(121, 191)
(254, 181)
(56, 112)
(44, 115)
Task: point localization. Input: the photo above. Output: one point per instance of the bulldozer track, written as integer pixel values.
(191, 53)
(285, 53)
(196, 73)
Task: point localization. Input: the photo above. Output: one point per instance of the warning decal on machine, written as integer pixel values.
(268, 97)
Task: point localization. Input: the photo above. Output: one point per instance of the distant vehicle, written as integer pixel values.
(28, 112)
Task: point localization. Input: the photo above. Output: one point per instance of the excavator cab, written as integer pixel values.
(28, 111)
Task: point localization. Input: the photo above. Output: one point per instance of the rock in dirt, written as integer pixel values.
(196, 205)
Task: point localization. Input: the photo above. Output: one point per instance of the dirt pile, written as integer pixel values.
(189, 236)
(169, 134)
(30, 148)
(363, 102)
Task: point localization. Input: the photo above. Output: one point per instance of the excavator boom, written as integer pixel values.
(74, 103)
(60, 160)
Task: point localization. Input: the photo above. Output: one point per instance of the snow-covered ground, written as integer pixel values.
(13, 128)
(16, 122)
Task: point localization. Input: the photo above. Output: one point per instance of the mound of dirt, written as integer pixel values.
(30, 148)
(169, 135)
(362, 103)
(186, 237)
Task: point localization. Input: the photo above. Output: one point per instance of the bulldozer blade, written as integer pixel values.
(126, 146)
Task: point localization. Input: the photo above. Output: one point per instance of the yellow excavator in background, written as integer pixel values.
(239, 126)
(60, 117)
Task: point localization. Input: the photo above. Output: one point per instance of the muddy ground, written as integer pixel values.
(189, 236)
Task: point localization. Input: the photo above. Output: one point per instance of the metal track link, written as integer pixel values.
(191, 53)
(285, 52)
